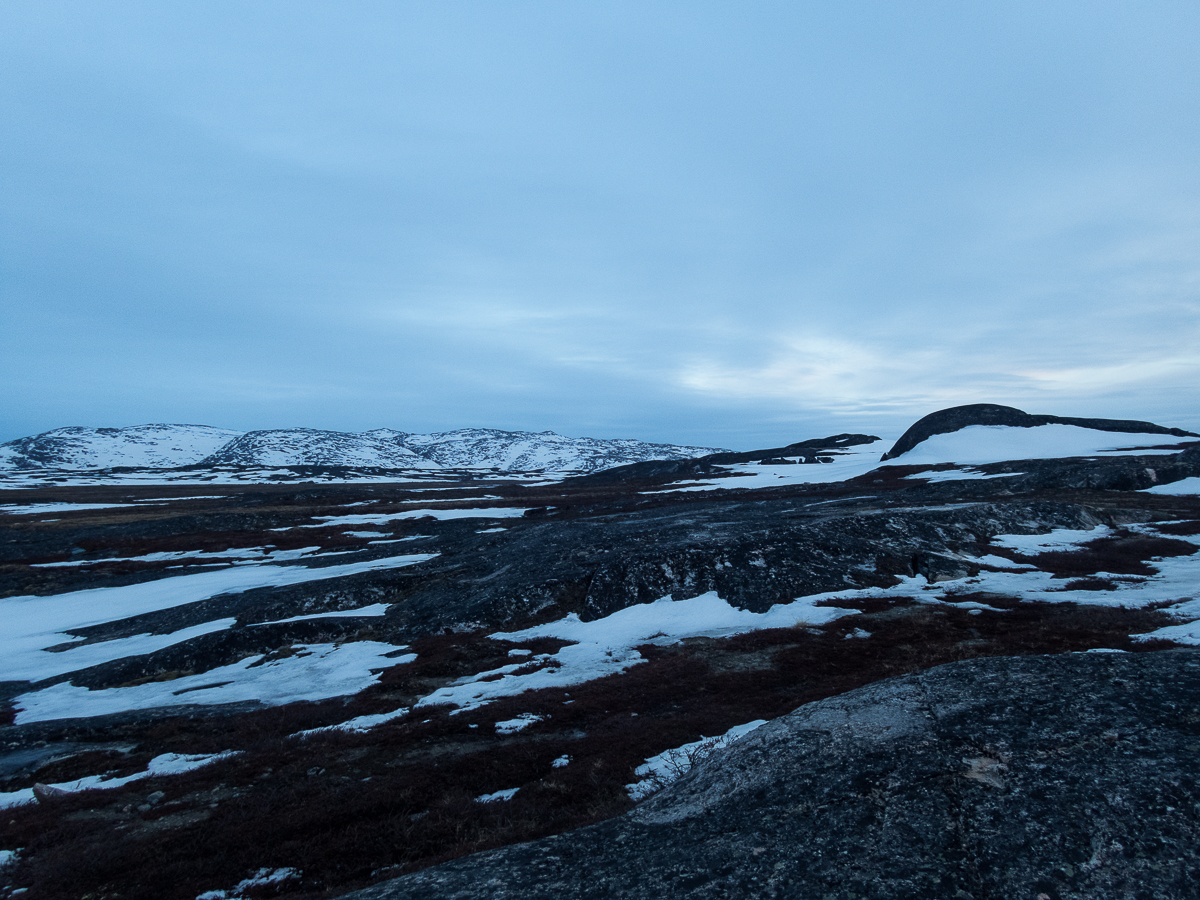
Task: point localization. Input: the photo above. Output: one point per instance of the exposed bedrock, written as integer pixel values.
(753, 554)
(1039, 777)
(945, 421)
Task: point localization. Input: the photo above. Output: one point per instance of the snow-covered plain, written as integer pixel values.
(33, 625)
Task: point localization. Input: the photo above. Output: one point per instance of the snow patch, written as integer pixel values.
(1186, 486)
(520, 723)
(312, 672)
(979, 444)
(607, 646)
(166, 764)
(32, 624)
(669, 766)
(497, 797)
(500, 512)
(358, 724)
(262, 878)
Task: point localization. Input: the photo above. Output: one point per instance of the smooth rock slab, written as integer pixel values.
(1070, 776)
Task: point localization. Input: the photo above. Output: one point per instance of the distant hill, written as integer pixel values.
(173, 446)
(956, 418)
(150, 446)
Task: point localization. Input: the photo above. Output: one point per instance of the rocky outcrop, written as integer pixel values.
(1039, 777)
(945, 421)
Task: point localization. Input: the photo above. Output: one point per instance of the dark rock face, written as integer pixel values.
(945, 421)
(1041, 777)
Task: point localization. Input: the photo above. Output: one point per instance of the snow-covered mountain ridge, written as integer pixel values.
(149, 446)
(173, 446)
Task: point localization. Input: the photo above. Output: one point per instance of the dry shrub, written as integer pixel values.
(1181, 529)
(1121, 554)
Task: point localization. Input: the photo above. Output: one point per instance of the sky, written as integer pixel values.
(724, 223)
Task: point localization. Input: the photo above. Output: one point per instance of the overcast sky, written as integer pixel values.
(737, 223)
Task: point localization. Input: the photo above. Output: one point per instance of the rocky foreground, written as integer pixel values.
(1035, 777)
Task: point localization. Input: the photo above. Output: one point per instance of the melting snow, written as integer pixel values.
(262, 878)
(501, 512)
(375, 609)
(669, 766)
(506, 794)
(358, 724)
(32, 623)
(314, 672)
(1176, 488)
(521, 722)
(28, 509)
(166, 764)
(606, 646)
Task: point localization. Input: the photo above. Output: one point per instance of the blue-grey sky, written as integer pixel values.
(728, 223)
